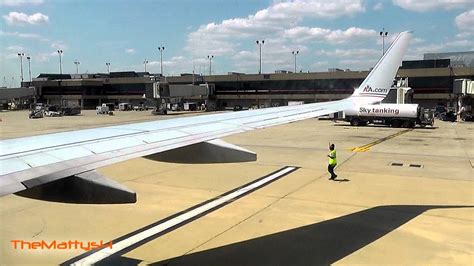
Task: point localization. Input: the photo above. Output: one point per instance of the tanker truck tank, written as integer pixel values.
(396, 115)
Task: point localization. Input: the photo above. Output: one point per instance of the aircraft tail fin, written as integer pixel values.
(377, 84)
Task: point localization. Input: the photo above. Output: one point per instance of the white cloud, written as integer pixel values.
(20, 2)
(175, 60)
(223, 38)
(319, 66)
(427, 5)
(465, 21)
(16, 18)
(388, 39)
(305, 33)
(300, 34)
(24, 35)
(416, 52)
(32, 36)
(360, 64)
(352, 53)
(378, 6)
(130, 51)
(417, 41)
(44, 57)
(276, 55)
(245, 55)
(469, 45)
(457, 46)
(418, 46)
(40, 57)
(15, 48)
(11, 56)
(309, 8)
(205, 45)
(59, 45)
(179, 63)
(11, 52)
(276, 52)
(176, 65)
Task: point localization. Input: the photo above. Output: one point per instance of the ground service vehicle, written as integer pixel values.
(395, 115)
(125, 107)
(102, 110)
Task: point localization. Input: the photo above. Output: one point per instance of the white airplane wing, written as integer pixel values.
(28, 162)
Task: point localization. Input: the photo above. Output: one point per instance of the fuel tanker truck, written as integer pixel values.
(395, 115)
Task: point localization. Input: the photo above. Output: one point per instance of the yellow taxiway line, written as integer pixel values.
(367, 147)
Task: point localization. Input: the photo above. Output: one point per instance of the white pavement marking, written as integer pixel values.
(125, 243)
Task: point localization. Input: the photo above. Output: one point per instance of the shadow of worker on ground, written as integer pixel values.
(317, 244)
(341, 179)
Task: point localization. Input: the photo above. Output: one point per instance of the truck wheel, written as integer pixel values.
(408, 124)
(396, 123)
(355, 122)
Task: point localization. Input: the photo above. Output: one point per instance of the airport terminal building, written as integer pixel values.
(431, 81)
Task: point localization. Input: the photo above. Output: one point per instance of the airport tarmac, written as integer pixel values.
(406, 200)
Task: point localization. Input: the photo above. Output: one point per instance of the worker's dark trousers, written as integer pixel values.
(331, 170)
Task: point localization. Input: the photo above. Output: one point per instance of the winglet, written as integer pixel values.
(376, 85)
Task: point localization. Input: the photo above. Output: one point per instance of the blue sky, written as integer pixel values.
(341, 34)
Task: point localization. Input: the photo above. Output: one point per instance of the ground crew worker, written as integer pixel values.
(332, 161)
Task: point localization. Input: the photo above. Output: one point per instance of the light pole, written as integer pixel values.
(60, 52)
(260, 43)
(383, 34)
(108, 67)
(29, 66)
(210, 64)
(295, 53)
(21, 65)
(145, 62)
(77, 63)
(161, 49)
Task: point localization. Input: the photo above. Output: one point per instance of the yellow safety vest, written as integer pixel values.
(333, 160)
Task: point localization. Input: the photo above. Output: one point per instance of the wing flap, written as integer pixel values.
(161, 136)
(69, 153)
(35, 160)
(113, 144)
(12, 165)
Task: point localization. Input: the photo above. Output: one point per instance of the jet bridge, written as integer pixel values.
(163, 94)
